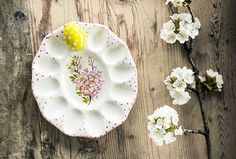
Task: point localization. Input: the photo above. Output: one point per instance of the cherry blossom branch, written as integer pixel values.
(195, 131)
(188, 47)
(197, 91)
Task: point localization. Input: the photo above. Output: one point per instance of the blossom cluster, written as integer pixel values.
(180, 28)
(163, 125)
(178, 82)
(212, 81)
(178, 3)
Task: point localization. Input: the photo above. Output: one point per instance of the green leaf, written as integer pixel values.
(81, 79)
(86, 99)
(171, 129)
(72, 78)
(79, 93)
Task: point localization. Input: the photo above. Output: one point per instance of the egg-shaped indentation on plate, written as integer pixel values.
(112, 111)
(73, 121)
(114, 53)
(56, 107)
(56, 47)
(122, 93)
(97, 39)
(122, 72)
(47, 66)
(94, 123)
(46, 87)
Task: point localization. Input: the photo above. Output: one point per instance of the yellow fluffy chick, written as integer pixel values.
(74, 36)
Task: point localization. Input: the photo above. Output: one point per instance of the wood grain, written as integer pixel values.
(24, 133)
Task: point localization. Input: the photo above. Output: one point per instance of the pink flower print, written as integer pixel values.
(88, 82)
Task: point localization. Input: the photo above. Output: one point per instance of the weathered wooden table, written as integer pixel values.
(25, 134)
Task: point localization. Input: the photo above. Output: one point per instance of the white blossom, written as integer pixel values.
(177, 83)
(180, 28)
(182, 36)
(194, 28)
(163, 125)
(180, 97)
(177, 3)
(219, 81)
(179, 131)
(202, 79)
(216, 77)
(212, 73)
(180, 85)
(168, 82)
(169, 138)
(185, 74)
(169, 37)
(213, 81)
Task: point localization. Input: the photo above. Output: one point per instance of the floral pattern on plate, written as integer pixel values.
(88, 81)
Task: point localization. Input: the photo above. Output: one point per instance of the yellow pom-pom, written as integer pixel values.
(74, 36)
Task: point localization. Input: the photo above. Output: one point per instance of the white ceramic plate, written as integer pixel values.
(85, 93)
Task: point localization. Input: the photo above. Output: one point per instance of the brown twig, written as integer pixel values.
(195, 131)
(171, 8)
(188, 47)
(204, 117)
(191, 12)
